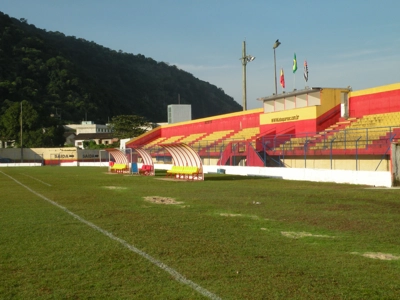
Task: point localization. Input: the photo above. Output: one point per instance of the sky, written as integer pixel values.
(352, 43)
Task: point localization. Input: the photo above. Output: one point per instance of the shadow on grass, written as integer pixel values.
(222, 177)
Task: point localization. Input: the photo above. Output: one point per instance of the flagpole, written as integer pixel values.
(294, 70)
(294, 81)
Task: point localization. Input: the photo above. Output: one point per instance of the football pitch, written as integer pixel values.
(82, 233)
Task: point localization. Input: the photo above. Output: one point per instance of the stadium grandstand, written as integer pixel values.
(326, 127)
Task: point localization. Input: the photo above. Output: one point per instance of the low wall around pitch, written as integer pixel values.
(21, 164)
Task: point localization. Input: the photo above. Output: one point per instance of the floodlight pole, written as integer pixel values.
(245, 59)
(22, 150)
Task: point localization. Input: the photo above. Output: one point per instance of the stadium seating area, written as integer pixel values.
(322, 131)
(373, 132)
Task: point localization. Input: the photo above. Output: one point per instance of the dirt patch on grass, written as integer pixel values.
(378, 255)
(115, 187)
(298, 235)
(161, 200)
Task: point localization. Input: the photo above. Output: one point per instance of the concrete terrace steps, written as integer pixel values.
(340, 131)
(378, 120)
(320, 136)
(172, 139)
(331, 130)
(211, 139)
(156, 141)
(341, 124)
(191, 138)
(246, 134)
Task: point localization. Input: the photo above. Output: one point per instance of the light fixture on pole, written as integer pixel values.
(276, 45)
(245, 59)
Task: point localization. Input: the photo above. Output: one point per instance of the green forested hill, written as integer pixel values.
(78, 79)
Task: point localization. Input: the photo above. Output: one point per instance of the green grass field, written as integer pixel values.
(227, 237)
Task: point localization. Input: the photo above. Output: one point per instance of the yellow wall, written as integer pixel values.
(379, 89)
(364, 163)
(330, 98)
(292, 115)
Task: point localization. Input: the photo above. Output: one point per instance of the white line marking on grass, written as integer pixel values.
(37, 179)
(178, 277)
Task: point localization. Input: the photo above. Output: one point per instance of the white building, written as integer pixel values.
(88, 131)
(88, 127)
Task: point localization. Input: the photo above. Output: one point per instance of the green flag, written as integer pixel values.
(294, 64)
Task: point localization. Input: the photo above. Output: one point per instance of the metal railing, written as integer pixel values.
(350, 141)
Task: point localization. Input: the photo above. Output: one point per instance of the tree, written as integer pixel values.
(129, 126)
(49, 69)
(10, 122)
(37, 131)
(93, 146)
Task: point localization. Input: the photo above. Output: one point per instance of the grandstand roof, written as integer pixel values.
(300, 92)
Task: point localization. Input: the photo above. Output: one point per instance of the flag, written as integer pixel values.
(282, 79)
(305, 71)
(294, 64)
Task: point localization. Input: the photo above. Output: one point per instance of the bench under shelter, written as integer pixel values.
(187, 162)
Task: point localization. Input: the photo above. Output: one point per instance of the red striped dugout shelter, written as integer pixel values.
(121, 164)
(187, 162)
(147, 167)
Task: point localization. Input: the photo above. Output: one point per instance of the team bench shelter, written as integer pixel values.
(121, 164)
(147, 166)
(187, 162)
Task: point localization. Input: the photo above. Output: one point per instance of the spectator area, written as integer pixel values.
(320, 121)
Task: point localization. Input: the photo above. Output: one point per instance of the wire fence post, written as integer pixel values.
(357, 153)
(305, 154)
(331, 150)
(265, 151)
